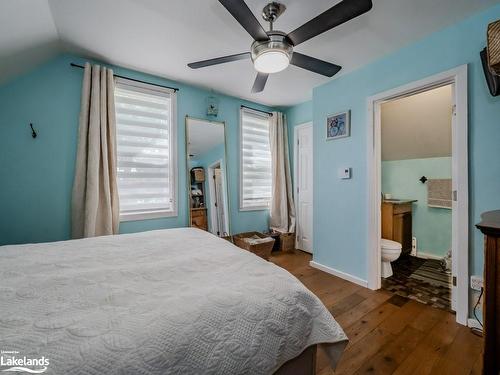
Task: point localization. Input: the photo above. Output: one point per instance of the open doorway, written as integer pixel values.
(454, 193)
(416, 182)
(218, 217)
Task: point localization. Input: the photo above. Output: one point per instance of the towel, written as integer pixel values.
(439, 193)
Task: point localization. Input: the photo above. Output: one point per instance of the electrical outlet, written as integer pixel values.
(476, 282)
(414, 246)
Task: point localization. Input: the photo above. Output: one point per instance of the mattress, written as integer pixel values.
(176, 301)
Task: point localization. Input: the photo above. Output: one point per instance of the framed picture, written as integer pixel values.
(338, 125)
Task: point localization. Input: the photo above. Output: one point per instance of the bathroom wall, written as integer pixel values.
(431, 226)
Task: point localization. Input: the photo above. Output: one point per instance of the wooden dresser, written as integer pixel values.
(199, 218)
(490, 226)
(397, 223)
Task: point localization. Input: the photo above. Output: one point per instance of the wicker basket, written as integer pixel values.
(493, 37)
(261, 249)
(198, 174)
(287, 241)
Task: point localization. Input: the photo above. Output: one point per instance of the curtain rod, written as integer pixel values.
(132, 79)
(257, 110)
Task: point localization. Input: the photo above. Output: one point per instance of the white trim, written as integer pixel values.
(174, 145)
(295, 198)
(473, 323)
(342, 275)
(460, 214)
(425, 255)
(254, 208)
(211, 188)
(146, 87)
(211, 191)
(146, 215)
(240, 182)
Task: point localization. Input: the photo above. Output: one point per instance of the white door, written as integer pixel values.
(219, 203)
(303, 156)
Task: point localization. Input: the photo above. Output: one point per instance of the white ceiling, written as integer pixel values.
(418, 126)
(28, 36)
(203, 136)
(161, 37)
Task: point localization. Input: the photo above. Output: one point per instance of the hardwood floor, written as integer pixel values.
(388, 334)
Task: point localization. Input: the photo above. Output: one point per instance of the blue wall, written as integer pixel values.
(340, 232)
(37, 174)
(431, 226)
(297, 115)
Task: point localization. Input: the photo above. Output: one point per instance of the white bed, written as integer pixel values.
(176, 301)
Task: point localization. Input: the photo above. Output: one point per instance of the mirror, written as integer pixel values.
(207, 184)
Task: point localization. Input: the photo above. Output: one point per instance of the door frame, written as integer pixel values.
(304, 125)
(460, 184)
(211, 189)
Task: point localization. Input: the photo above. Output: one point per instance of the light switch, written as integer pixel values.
(344, 173)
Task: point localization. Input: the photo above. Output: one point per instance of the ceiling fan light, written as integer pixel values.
(272, 61)
(273, 55)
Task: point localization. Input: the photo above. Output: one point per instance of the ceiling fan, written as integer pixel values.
(272, 51)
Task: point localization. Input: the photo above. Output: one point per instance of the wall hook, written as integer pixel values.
(423, 179)
(33, 132)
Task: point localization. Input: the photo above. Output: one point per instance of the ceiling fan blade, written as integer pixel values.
(260, 82)
(314, 65)
(336, 15)
(242, 13)
(219, 60)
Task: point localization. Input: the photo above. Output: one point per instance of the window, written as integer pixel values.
(255, 159)
(146, 149)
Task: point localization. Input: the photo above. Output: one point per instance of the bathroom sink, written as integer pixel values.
(399, 201)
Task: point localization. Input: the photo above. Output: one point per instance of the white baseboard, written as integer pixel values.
(424, 255)
(473, 323)
(342, 275)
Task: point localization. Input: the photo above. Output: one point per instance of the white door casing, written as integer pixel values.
(219, 223)
(303, 178)
(460, 213)
(219, 198)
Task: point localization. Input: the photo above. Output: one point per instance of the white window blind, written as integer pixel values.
(145, 127)
(255, 179)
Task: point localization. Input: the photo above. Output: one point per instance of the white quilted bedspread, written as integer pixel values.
(176, 301)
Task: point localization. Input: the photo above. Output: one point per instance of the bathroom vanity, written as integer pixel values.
(396, 222)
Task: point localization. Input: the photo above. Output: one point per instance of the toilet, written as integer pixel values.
(391, 250)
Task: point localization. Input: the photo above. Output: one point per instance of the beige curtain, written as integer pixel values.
(282, 207)
(95, 207)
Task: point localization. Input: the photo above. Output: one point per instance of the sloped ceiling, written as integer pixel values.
(418, 126)
(161, 37)
(28, 36)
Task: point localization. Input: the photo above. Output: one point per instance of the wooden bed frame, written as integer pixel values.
(304, 364)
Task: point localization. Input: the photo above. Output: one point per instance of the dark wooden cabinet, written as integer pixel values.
(397, 224)
(490, 226)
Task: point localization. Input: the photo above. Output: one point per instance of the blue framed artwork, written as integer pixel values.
(338, 125)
